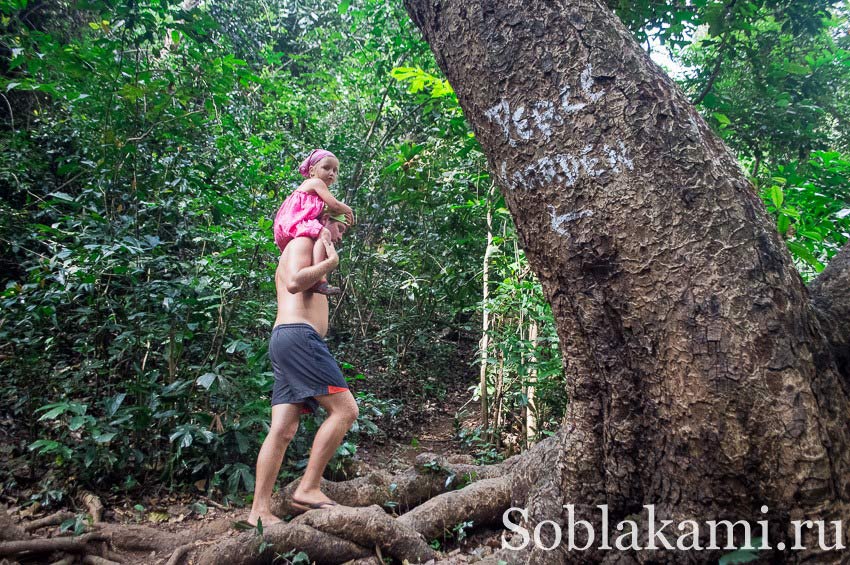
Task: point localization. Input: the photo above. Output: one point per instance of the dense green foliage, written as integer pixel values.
(773, 80)
(144, 161)
(145, 146)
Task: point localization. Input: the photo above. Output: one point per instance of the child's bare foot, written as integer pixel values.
(324, 288)
(325, 235)
(267, 517)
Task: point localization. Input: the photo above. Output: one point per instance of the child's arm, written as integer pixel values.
(334, 205)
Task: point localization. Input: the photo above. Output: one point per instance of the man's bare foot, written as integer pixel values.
(267, 517)
(311, 498)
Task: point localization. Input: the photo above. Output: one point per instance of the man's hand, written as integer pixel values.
(330, 250)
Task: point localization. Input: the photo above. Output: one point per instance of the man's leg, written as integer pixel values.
(282, 430)
(342, 412)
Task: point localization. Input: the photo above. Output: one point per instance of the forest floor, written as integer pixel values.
(181, 519)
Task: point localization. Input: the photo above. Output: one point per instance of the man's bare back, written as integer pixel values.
(306, 306)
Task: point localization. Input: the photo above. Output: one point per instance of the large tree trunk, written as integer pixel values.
(701, 378)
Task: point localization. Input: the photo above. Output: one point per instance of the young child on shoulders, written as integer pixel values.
(299, 214)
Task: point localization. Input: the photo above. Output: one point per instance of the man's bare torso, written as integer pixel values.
(309, 307)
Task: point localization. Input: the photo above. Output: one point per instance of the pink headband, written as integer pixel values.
(314, 157)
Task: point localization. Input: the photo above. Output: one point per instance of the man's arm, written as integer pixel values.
(299, 273)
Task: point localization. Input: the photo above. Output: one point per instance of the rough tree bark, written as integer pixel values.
(704, 377)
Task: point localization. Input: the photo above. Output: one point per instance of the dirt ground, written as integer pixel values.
(173, 521)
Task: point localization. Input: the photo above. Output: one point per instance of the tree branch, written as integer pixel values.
(830, 297)
(715, 72)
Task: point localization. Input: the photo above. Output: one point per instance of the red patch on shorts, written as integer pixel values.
(336, 389)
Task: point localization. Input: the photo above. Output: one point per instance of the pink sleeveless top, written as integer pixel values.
(298, 216)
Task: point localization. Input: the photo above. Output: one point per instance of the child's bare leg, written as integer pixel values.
(319, 255)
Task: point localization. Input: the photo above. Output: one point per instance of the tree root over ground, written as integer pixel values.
(433, 497)
(361, 531)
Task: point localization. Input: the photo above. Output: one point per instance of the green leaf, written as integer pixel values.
(184, 436)
(206, 380)
(104, 438)
(53, 413)
(740, 556)
(44, 445)
(199, 508)
(806, 255)
(722, 119)
(343, 6)
(115, 403)
(66, 525)
(242, 444)
(776, 196)
(797, 69)
(811, 234)
(76, 423)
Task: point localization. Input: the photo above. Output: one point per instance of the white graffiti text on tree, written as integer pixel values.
(523, 123)
(558, 220)
(565, 169)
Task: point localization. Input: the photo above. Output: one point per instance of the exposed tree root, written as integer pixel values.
(244, 549)
(95, 560)
(9, 530)
(482, 502)
(132, 537)
(345, 533)
(93, 505)
(368, 527)
(179, 553)
(373, 560)
(107, 553)
(431, 475)
(359, 531)
(320, 533)
(37, 546)
(52, 520)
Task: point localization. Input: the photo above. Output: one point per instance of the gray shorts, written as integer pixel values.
(303, 367)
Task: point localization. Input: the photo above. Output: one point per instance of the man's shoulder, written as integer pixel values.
(299, 243)
(298, 247)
